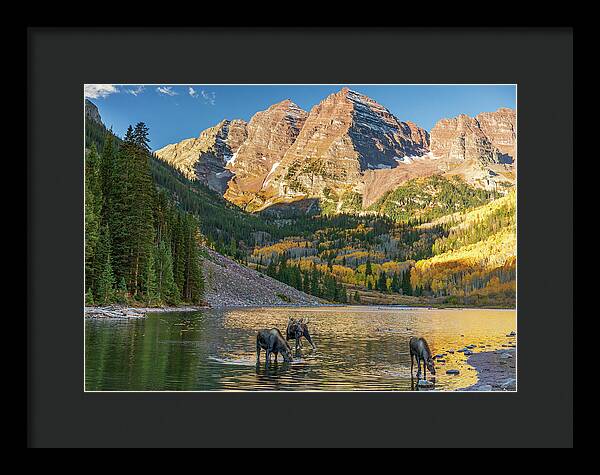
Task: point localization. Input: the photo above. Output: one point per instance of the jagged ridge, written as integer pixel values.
(347, 145)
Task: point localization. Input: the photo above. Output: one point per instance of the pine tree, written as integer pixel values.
(314, 282)
(119, 218)
(341, 292)
(406, 286)
(331, 288)
(93, 203)
(92, 224)
(395, 286)
(271, 269)
(102, 268)
(382, 282)
(93, 178)
(149, 285)
(166, 289)
(122, 294)
(131, 204)
(140, 138)
(105, 284)
(368, 269)
(141, 231)
(306, 282)
(296, 277)
(282, 271)
(194, 281)
(89, 298)
(107, 165)
(178, 252)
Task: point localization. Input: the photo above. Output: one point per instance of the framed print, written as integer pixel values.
(301, 243)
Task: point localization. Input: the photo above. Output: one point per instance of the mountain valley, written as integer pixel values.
(347, 203)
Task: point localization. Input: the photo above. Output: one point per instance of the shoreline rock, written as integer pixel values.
(124, 312)
(496, 371)
(114, 312)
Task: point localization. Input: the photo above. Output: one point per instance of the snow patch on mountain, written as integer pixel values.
(230, 159)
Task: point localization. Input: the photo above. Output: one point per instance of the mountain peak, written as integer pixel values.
(344, 135)
(289, 107)
(270, 134)
(350, 92)
(352, 95)
(91, 111)
(282, 104)
(285, 103)
(204, 158)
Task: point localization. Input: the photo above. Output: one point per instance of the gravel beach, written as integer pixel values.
(496, 370)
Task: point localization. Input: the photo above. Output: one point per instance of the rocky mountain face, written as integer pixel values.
(344, 136)
(205, 158)
(460, 139)
(500, 128)
(489, 136)
(91, 111)
(347, 149)
(270, 134)
(481, 149)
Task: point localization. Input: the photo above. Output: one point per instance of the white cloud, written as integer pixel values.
(98, 91)
(209, 97)
(135, 91)
(167, 90)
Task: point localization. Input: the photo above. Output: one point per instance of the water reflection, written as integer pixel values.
(358, 348)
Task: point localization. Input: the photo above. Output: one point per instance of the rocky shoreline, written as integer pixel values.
(496, 370)
(124, 312)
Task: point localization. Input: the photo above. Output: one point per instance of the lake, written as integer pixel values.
(357, 348)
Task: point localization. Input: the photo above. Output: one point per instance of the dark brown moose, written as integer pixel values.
(419, 349)
(297, 329)
(272, 341)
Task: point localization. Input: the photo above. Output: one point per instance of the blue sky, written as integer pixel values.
(174, 113)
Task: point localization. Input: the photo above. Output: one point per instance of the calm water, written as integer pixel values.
(358, 348)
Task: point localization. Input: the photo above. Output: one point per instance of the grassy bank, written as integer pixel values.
(373, 297)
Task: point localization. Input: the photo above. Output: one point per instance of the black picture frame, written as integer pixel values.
(61, 60)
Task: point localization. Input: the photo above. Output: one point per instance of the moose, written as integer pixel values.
(419, 349)
(272, 341)
(297, 329)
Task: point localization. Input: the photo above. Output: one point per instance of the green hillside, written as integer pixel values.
(422, 200)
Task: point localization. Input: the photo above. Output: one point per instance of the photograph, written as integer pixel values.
(300, 237)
